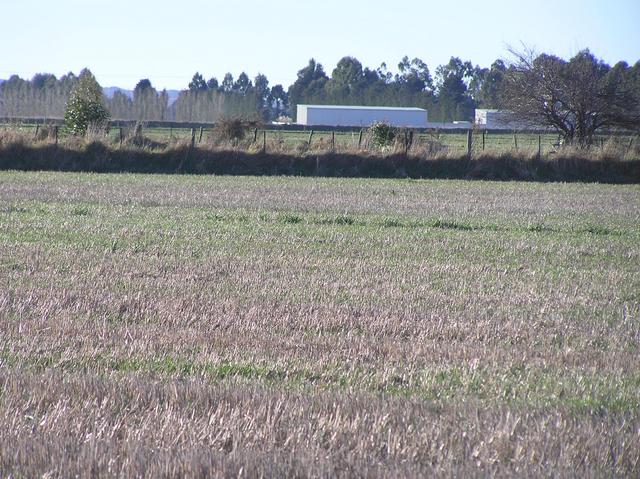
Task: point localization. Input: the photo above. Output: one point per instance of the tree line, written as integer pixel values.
(452, 94)
(45, 96)
(576, 96)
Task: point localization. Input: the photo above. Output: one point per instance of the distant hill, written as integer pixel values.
(173, 95)
(109, 92)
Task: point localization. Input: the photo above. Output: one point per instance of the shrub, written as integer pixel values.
(382, 134)
(229, 130)
(232, 129)
(45, 132)
(86, 105)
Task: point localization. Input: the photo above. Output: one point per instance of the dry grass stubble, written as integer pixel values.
(196, 326)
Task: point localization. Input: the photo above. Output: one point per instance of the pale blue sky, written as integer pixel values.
(166, 41)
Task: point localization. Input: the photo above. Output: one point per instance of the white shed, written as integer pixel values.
(338, 115)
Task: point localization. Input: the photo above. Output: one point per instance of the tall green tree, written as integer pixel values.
(242, 85)
(212, 84)
(309, 86)
(414, 75)
(197, 83)
(347, 82)
(227, 83)
(263, 95)
(142, 86)
(486, 84)
(280, 101)
(148, 104)
(43, 80)
(453, 97)
(86, 105)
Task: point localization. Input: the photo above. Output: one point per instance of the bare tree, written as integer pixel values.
(576, 97)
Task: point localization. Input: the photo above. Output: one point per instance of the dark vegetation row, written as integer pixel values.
(566, 166)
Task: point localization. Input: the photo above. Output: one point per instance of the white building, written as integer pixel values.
(363, 116)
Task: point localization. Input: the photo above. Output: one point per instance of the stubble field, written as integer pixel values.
(191, 326)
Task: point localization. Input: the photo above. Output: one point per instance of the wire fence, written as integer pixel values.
(285, 137)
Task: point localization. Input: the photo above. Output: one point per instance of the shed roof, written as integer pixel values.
(350, 107)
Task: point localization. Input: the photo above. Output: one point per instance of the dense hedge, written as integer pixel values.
(98, 157)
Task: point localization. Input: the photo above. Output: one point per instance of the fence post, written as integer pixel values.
(193, 137)
(360, 139)
(539, 146)
(255, 135)
(333, 140)
(35, 136)
(310, 137)
(121, 135)
(55, 133)
(515, 139)
(200, 137)
(264, 141)
(483, 139)
(469, 143)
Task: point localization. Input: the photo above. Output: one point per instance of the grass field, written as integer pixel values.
(192, 326)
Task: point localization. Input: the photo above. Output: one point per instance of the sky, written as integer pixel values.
(167, 41)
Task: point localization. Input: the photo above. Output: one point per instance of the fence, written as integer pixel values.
(457, 141)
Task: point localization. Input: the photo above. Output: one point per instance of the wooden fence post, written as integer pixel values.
(255, 135)
(539, 146)
(515, 139)
(469, 143)
(55, 133)
(333, 140)
(193, 137)
(264, 141)
(360, 139)
(310, 137)
(483, 139)
(35, 136)
(200, 137)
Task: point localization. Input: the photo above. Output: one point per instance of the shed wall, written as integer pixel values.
(308, 115)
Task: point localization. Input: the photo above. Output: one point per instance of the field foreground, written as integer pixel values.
(192, 326)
